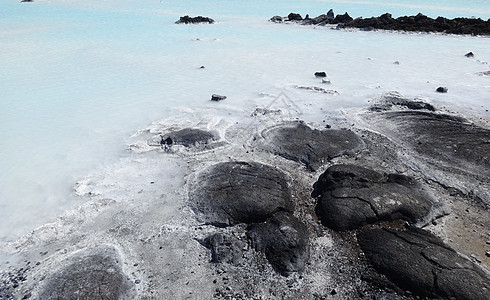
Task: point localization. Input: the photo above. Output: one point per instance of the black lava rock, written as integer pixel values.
(187, 137)
(421, 263)
(240, 192)
(225, 248)
(351, 196)
(294, 17)
(311, 147)
(441, 89)
(216, 97)
(469, 54)
(320, 74)
(193, 20)
(284, 240)
(92, 274)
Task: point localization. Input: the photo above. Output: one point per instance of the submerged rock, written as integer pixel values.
(311, 147)
(92, 274)
(350, 197)
(187, 137)
(420, 262)
(230, 193)
(284, 240)
(194, 20)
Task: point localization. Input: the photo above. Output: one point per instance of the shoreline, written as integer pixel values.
(128, 226)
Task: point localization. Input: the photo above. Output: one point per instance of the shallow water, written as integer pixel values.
(79, 77)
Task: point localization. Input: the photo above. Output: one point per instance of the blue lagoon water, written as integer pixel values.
(77, 78)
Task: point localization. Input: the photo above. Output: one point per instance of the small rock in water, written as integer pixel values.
(396, 62)
(320, 74)
(469, 54)
(441, 89)
(216, 97)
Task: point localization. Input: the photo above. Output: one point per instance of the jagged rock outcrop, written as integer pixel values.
(194, 20)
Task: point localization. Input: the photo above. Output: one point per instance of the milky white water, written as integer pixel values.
(78, 78)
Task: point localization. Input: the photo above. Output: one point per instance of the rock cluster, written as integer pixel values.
(194, 20)
(418, 22)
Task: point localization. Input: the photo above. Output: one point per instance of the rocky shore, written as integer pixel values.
(393, 207)
(418, 23)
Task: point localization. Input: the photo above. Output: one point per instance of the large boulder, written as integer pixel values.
(420, 262)
(230, 193)
(311, 147)
(350, 197)
(284, 240)
(91, 274)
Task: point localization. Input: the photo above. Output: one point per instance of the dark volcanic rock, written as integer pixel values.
(225, 248)
(294, 17)
(420, 262)
(418, 22)
(443, 139)
(320, 74)
(187, 137)
(240, 192)
(469, 54)
(311, 147)
(92, 274)
(193, 20)
(216, 97)
(352, 196)
(330, 14)
(441, 89)
(284, 240)
(388, 100)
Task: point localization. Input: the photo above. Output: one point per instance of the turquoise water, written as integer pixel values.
(77, 78)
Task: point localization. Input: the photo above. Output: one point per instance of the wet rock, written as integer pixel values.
(187, 137)
(345, 18)
(321, 19)
(330, 15)
(239, 192)
(294, 17)
(320, 74)
(420, 262)
(225, 248)
(194, 20)
(441, 89)
(284, 240)
(216, 97)
(350, 197)
(311, 147)
(92, 274)
(469, 54)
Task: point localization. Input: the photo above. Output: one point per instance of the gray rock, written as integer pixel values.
(330, 14)
(350, 197)
(92, 274)
(388, 100)
(239, 192)
(187, 137)
(311, 147)
(284, 240)
(225, 248)
(420, 262)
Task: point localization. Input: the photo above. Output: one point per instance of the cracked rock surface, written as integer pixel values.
(284, 240)
(187, 137)
(418, 261)
(351, 196)
(230, 193)
(311, 147)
